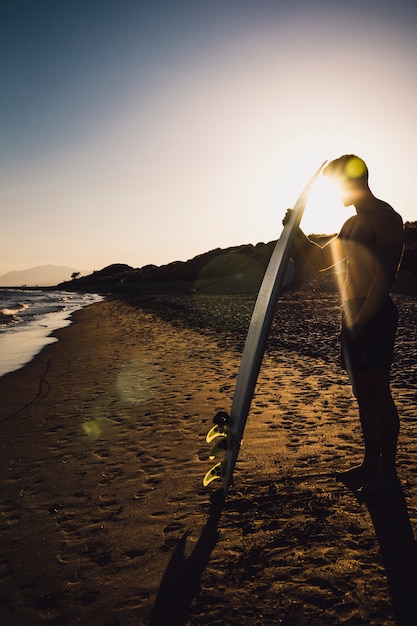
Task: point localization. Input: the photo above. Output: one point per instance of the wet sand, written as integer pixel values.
(104, 519)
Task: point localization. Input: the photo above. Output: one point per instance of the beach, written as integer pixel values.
(104, 519)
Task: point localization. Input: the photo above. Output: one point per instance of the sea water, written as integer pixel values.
(27, 319)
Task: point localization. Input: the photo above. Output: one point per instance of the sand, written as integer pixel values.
(104, 519)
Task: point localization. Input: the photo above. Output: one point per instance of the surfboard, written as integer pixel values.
(227, 431)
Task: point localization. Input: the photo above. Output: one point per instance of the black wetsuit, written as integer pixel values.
(373, 348)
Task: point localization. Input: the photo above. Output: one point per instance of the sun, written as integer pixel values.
(280, 178)
(290, 168)
(324, 213)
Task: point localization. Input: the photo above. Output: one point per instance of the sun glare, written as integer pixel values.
(287, 171)
(325, 213)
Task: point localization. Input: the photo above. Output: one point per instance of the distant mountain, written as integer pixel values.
(42, 276)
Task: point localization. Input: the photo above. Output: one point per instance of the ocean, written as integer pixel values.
(27, 319)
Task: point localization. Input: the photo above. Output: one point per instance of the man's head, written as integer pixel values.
(350, 174)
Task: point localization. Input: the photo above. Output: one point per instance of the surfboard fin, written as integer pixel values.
(220, 429)
(217, 431)
(220, 446)
(215, 472)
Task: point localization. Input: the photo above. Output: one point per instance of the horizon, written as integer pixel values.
(84, 273)
(144, 134)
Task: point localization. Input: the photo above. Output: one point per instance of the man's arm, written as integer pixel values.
(320, 258)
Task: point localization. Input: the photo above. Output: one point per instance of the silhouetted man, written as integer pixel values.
(371, 244)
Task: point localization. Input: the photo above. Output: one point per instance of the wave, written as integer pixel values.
(17, 308)
(28, 318)
(9, 316)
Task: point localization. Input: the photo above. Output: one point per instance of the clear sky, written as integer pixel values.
(148, 132)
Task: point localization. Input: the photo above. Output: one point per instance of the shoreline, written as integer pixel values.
(103, 515)
(21, 343)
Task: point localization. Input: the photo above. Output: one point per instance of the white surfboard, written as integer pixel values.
(256, 339)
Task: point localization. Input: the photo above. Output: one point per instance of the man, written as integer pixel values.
(371, 244)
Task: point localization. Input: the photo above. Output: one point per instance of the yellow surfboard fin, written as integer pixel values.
(220, 446)
(216, 431)
(213, 473)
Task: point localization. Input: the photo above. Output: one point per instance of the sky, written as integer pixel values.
(149, 132)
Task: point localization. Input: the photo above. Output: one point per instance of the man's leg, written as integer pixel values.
(380, 428)
(386, 424)
(370, 466)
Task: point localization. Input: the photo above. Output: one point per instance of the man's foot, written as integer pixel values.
(379, 486)
(357, 476)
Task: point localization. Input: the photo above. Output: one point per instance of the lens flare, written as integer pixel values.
(139, 381)
(355, 168)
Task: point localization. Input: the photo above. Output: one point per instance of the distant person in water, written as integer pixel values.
(371, 244)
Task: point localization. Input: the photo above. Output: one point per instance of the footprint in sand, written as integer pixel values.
(172, 533)
(135, 553)
(11, 513)
(109, 476)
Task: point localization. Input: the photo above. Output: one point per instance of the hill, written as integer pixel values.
(236, 269)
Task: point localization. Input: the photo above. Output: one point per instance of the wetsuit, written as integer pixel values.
(373, 348)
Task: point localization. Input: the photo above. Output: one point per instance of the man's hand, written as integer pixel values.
(355, 329)
(287, 217)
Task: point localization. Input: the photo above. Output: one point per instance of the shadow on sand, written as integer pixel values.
(398, 550)
(394, 533)
(181, 580)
